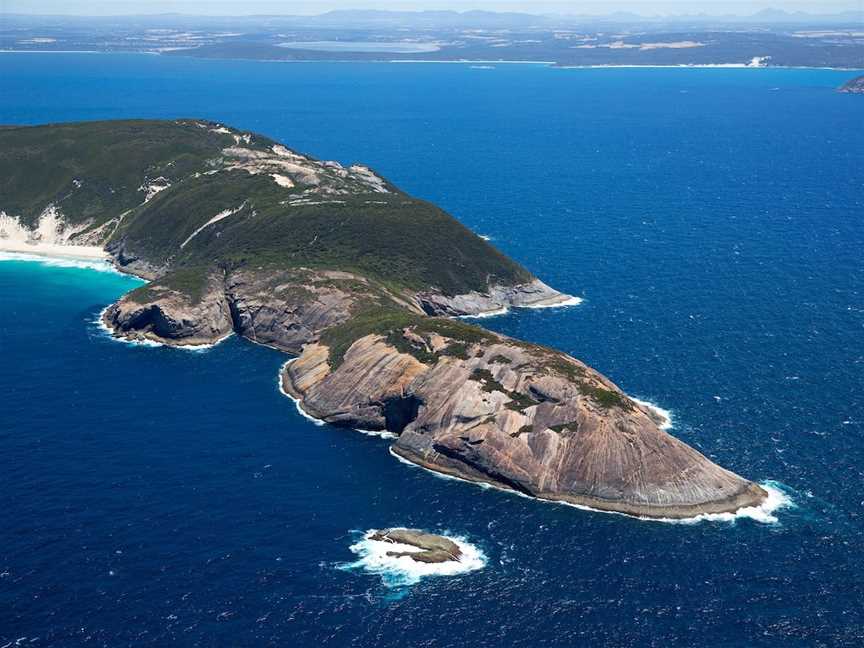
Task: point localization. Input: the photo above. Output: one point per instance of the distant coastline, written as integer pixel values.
(489, 62)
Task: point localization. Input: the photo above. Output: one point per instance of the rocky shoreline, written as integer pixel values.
(559, 447)
(365, 285)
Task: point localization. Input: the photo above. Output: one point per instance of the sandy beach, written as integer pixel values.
(53, 250)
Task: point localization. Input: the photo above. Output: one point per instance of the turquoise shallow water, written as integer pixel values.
(711, 219)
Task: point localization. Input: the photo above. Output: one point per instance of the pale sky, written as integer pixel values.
(246, 7)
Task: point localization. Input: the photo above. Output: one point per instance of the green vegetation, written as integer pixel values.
(93, 172)
(378, 317)
(40, 165)
(190, 282)
(211, 217)
(487, 380)
(605, 398)
(525, 429)
(518, 402)
(372, 322)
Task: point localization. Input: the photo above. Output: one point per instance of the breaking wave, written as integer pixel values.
(493, 313)
(402, 571)
(665, 414)
(572, 301)
(61, 262)
(777, 500)
(296, 401)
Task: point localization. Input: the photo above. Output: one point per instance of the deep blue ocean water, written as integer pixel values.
(713, 220)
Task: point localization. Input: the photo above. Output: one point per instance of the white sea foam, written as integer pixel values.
(765, 513)
(403, 570)
(493, 313)
(381, 434)
(60, 261)
(665, 414)
(296, 401)
(572, 301)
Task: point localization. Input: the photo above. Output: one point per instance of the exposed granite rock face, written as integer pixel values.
(532, 294)
(496, 410)
(522, 418)
(172, 317)
(237, 233)
(288, 310)
(131, 263)
(855, 86)
(433, 548)
(284, 310)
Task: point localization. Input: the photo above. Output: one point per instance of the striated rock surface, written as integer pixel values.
(239, 234)
(161, 314)
(520, 417)
(532, 294)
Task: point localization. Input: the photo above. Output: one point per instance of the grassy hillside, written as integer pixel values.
(110, 160)
(286, 210)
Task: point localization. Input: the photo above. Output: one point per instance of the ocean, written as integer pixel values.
(712, 220)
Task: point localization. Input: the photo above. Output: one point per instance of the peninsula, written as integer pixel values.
(238, 234)
(853, 86)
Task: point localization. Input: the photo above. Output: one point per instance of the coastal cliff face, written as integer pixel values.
(855, 86)
(240, 235)
(518, 416)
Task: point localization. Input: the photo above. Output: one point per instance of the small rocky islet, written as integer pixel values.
(430, 548)
(853, 86)
(238, 234)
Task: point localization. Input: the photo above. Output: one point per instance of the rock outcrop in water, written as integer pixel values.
(855, 86)
(238, 234)
(432, 548)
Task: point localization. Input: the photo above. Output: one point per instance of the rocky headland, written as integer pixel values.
(854, 86)
(238, 234)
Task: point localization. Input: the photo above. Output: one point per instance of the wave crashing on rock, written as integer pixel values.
(393, 562)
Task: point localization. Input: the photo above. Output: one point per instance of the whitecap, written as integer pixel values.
(664, 414)
(401, 571)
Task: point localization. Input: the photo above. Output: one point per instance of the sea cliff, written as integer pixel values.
(237, 234)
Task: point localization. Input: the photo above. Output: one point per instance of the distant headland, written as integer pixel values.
(854, 86)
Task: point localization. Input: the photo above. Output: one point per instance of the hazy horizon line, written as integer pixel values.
(551, 14)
